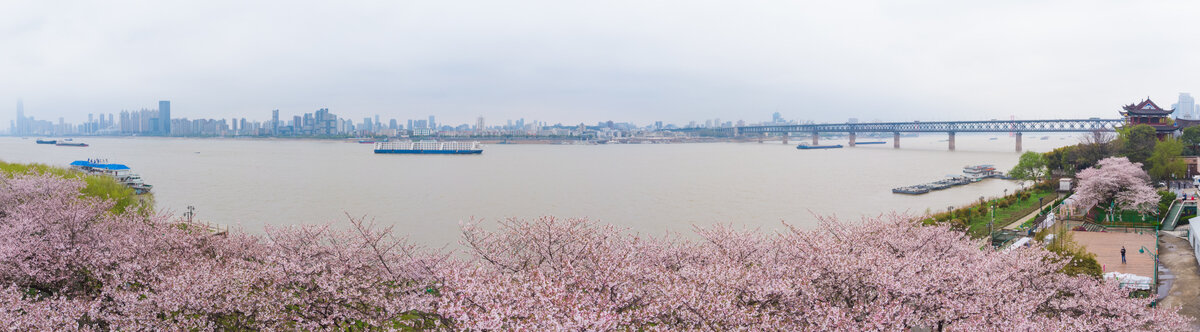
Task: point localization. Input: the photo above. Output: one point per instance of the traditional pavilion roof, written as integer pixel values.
(1146, 107)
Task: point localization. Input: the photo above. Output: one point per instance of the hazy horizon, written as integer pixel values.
(597, 61)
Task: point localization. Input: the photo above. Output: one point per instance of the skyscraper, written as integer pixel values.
(20, 125)
(479, 124)
(275, 122)
(1186, 108)
(164, 117)
(432, 125)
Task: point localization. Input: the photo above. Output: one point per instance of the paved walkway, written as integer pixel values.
(1107, 247)
(1184, 291)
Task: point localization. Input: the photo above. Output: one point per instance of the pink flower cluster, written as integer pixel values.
(1117, 179)
(66, 263)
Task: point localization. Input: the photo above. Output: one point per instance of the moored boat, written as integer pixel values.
(811, 147)
(78, 144)
(46, 141)
(119, 172)
(869, 142)
(911, 190)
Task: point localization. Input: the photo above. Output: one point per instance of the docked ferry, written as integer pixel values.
(429, 147)
(119, 172)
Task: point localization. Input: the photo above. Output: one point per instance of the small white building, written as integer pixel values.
(1064, 184)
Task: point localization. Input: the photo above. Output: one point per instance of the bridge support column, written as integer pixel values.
(760, 137)
(1018, 141)
(852, 137)
(951, 141)
(785, 138)
(896, 141)
(816, 136)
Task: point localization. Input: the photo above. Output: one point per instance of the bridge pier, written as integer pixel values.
(760, 137)
(951, 141)
(1018, 141)
(852, 137)
(785, 138)
(896, 141)
(816, 136)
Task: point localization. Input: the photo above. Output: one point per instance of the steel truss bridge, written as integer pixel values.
(949, 127)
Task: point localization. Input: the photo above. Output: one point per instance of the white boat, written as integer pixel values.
(119, 172)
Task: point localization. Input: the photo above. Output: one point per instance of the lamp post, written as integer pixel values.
(992, 210)
(1143, 250)
(191, 211)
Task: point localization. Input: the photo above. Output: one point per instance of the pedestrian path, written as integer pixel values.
(1017, 224)
(1182, 281)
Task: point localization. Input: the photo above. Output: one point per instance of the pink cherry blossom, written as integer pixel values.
(1116, 179)
(67, 263)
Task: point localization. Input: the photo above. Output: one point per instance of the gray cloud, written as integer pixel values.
(569, 61)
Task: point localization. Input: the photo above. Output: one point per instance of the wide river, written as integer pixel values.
(649, 188)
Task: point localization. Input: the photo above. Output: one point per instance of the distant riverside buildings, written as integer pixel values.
(324, 123)
(1186, 107)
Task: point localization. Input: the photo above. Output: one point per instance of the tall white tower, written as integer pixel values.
(1186, 108)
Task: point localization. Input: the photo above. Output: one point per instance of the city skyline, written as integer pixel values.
(641, 62)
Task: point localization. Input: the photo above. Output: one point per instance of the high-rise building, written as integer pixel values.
(479, 124)
(1186, 108)
(164, 117)
(19, 127)
(392, 124)
(432, 124)
(274, 122)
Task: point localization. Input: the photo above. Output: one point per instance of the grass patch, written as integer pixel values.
(978, 224)
(104, 187)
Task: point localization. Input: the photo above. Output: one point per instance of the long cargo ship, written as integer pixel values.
(429, 147)
(119, 172)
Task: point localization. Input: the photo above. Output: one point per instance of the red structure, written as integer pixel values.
(1148, 113)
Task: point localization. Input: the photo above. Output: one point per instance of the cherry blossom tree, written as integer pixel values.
(1115, 179)
(68, 263)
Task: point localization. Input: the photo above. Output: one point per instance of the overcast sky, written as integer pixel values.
(587, 61)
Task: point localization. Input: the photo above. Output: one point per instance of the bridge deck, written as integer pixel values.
(991, 126)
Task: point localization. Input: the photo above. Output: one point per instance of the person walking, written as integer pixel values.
(1122, 254)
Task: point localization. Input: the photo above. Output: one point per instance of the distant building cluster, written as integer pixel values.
(324, 123)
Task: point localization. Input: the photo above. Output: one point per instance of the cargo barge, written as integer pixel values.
(813, 147)
(428, 147)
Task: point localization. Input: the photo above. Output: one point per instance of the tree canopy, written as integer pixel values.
(1031, 167)
(1165, 162)
(1137, 142)
(1191, 138)
(1118, 181)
